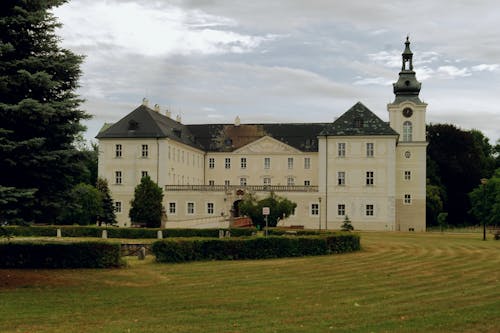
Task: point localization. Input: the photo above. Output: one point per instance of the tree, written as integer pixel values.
(485, 200)
(434, 203)
(39, 114)
(455, 157)
(347, 225)
(84, 204)
(146, 207)
(279, 208)
(107, 215)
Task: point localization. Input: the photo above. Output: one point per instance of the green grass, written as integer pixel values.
(399, 282)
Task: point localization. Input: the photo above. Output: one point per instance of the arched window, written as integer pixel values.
(407, 131)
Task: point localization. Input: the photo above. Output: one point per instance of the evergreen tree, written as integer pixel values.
(107, 215)
(39, 114)
(146, 207)
(346, 225)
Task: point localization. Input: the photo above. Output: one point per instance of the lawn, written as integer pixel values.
(399, 282)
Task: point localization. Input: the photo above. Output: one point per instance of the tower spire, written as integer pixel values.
(407, 87)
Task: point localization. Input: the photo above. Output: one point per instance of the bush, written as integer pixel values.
(183, 250)
(113, 232)
(497, 235)
(59, 255)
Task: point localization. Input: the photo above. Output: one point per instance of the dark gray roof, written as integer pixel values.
(229, 137)
(144, 122)
(358, 120)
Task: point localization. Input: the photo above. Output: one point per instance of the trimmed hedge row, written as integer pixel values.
(59, 255)
(114, 232)
(183, 250)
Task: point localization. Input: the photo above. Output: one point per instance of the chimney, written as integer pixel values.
(168, 113)
(145, 101)
(237, 121)
(178, 118)
(157, 108)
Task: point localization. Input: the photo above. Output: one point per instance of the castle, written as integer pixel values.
(359, 165)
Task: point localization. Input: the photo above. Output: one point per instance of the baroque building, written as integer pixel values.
(359, 166)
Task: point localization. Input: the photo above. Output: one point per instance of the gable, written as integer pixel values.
(267, 145)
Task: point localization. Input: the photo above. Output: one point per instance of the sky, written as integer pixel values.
(209, 61)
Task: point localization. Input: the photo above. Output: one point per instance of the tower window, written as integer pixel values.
(407, 175)
(407, 131)
(407, 199)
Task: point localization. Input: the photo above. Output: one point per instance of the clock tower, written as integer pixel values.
(407, 117)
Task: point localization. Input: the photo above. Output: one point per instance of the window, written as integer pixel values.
(407, 199)
(144, 151)
(210, 208)
(118, 206)
(307, 162)
(307, 183)
(341, 149)
(118, 150)
(144, 174)
(267, 181)
(369, 178)
(314, 209)
(190, 208)
(211, 163)
(290, 163)
(227, 182)
(211, 182)
(407, 175)
(243, 181)
(227, 163)
(341, 209)
(172, 208)
(341, 178)
(267, 162)
(118, 177)
(369, 149)
(243, 163)
(290, 181)
(369, 210)
(407, 131)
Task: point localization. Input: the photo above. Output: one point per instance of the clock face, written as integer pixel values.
(407, 112)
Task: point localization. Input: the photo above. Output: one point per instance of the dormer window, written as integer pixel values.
(132, 125)
(358, 122)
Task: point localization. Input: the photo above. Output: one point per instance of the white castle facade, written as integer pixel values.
(360, 166)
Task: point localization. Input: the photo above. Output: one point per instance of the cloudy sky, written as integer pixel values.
(285, 60)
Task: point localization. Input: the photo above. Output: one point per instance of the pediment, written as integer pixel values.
(267, 145)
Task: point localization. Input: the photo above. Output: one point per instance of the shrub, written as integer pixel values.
(182, 250)
(113, 232)
(59, 255)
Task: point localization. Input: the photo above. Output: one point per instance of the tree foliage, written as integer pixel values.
(485, 200)
(107, 214)
(279, 208)
(146, 207)
(454, 154)
(83, 206)
(39, 114)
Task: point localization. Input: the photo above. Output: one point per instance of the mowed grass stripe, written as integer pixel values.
(398, 282)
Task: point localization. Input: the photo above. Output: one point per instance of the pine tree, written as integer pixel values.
(146, 207)
(39, 112)
(107, 215)
(347, 226)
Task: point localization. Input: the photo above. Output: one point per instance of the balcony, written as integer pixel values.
(251, 188)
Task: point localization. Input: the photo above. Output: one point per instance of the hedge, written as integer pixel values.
(183, 250)
(115, 232)
(59, 255)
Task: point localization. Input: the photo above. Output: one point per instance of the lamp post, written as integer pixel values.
(319, 213)
(483, 182)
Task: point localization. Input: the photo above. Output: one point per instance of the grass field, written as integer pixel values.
(399, 282)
